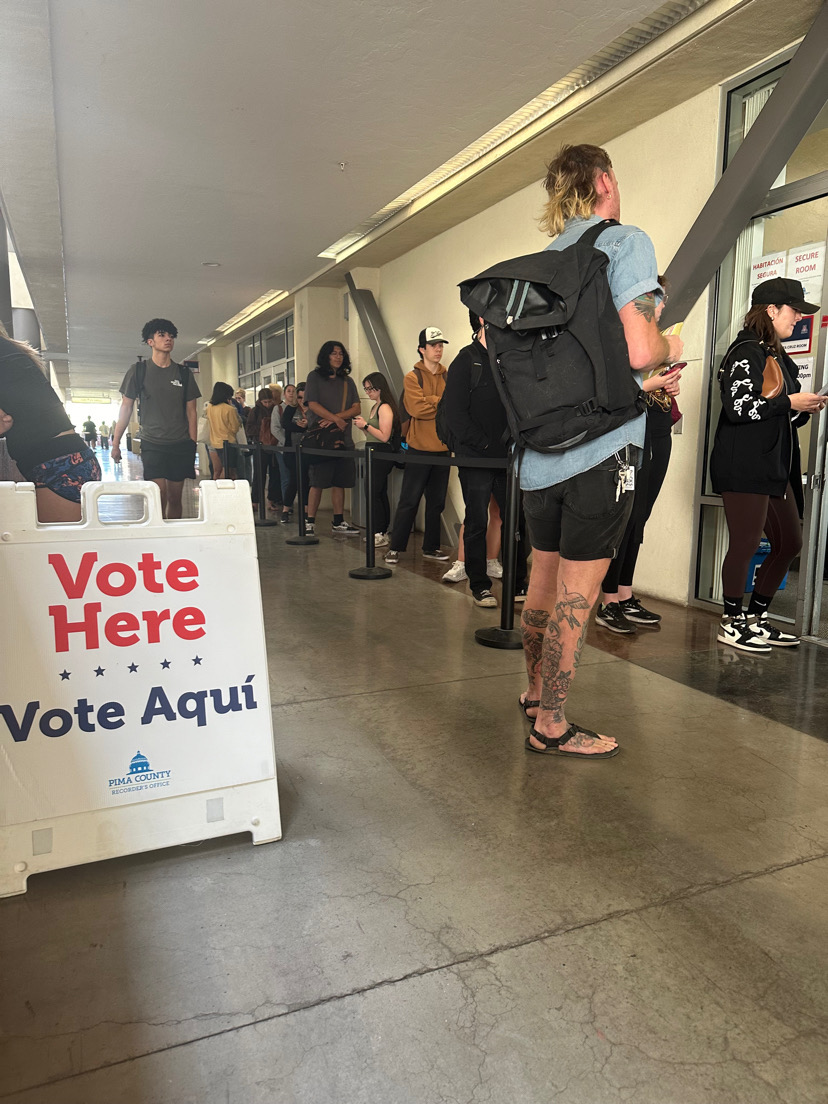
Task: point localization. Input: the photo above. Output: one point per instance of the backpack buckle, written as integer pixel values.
(588, 407)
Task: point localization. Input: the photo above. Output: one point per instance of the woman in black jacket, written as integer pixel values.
(755, 466)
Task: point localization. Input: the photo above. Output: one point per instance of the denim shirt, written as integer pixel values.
(632, 271)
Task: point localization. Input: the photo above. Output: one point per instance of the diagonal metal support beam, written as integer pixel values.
(376, 332)
(793, 105)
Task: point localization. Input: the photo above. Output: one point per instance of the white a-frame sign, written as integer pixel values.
(134, 703)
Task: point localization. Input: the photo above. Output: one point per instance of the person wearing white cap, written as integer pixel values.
(423, 387)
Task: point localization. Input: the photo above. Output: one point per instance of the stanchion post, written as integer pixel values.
(370, 571)
(505, 635)
(302, 538)
(258, 484)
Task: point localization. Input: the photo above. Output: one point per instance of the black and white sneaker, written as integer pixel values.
(345, 529)
(736, 632)
(392, 556)
(436, 554)
(484, 598)
(761, 627)
(634, 611)
(611, 616)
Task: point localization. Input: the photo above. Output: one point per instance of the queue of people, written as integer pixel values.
(583, 508)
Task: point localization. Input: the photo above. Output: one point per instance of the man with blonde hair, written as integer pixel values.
(577, 502)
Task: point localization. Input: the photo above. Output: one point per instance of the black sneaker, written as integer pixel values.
(285, 519)
(484, 598)
(634, 611)
(392, 556)
(345, 529)
(520, 594)
(436, 554)
(736, 632)
(612, 617)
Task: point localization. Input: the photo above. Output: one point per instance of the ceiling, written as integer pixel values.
(177, 133)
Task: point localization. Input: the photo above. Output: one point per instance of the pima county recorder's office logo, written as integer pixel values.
(140, 776)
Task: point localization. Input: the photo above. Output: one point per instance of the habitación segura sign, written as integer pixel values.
(129, 699)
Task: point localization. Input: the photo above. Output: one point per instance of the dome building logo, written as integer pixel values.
(140, 776)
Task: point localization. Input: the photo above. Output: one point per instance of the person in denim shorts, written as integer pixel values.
(576, 512)
(39, 436)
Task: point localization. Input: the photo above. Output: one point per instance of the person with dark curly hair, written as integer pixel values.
(332, 401)
(166, 394)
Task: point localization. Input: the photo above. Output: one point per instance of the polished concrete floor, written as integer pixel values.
(449, 918)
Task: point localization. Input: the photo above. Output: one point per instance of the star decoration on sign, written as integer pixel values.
(165, 663)
(197, 661)
(99, 671)
(133, 667)
(64, 675)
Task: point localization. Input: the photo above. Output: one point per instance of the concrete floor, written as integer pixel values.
(447, 917)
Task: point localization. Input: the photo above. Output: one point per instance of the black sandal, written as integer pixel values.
(556, 744)
(528, 703)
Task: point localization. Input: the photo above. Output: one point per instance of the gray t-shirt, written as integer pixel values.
(162, 412)
(328, 392)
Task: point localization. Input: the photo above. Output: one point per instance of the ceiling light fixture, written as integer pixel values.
(211, 264)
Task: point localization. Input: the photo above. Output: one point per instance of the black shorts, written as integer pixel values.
(340, 472)
(174, 460)
(583, 518)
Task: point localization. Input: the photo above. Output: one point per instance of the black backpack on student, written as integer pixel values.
(556, 345)
(441, 422)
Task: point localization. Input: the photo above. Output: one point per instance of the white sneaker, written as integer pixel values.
(494, 569)
(736, 632)
(761, 627)
(380, 540)
(456, 574)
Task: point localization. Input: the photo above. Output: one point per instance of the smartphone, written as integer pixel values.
(823, 390)
(675, 367)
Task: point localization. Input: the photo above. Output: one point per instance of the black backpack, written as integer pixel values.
(556, 345)
(441, 423)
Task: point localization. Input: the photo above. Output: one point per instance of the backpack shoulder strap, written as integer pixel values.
(590, 236)
(140, 377)
(418, 372)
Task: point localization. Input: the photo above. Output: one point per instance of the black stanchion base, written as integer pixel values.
(302, 540)
(499, 638)
(265, 521)
(370, 573)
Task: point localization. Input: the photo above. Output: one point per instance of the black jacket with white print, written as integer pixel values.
(756, 450)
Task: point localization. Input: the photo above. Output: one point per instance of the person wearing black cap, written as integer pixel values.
(755, 463)
(423, 388)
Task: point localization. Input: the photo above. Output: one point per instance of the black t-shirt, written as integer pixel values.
(38, 413)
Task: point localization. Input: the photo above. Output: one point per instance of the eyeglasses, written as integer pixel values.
(368, 388)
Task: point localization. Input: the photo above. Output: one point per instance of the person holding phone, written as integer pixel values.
(755, 464)
(620, 611)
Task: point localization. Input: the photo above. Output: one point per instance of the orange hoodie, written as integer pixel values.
(421, 404)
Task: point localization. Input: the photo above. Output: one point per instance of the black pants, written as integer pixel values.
(271, 478)
(479, 484)
(380, 471)
(420, 479)
(649, 480)
(748, 516)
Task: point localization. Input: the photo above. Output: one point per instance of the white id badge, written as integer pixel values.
(626, 478)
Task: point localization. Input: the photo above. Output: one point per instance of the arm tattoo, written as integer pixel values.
(646, 305)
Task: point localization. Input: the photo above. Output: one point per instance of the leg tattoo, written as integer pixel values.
(533, 623)
(571, 613)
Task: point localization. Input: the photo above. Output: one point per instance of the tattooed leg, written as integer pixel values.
(578, 587)
(540, 600)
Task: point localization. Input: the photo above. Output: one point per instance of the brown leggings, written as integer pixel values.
(748, 516)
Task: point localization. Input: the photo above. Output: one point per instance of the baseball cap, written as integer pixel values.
(782, 292)
(430, 336)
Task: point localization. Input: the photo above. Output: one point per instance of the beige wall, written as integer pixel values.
(420, 288)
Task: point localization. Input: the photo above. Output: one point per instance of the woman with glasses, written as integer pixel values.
(383, 426)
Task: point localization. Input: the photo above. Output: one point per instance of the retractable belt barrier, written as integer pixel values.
(126, 721)
(501, 636)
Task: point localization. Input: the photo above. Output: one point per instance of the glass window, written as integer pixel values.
(275, 345)
(271, 347)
